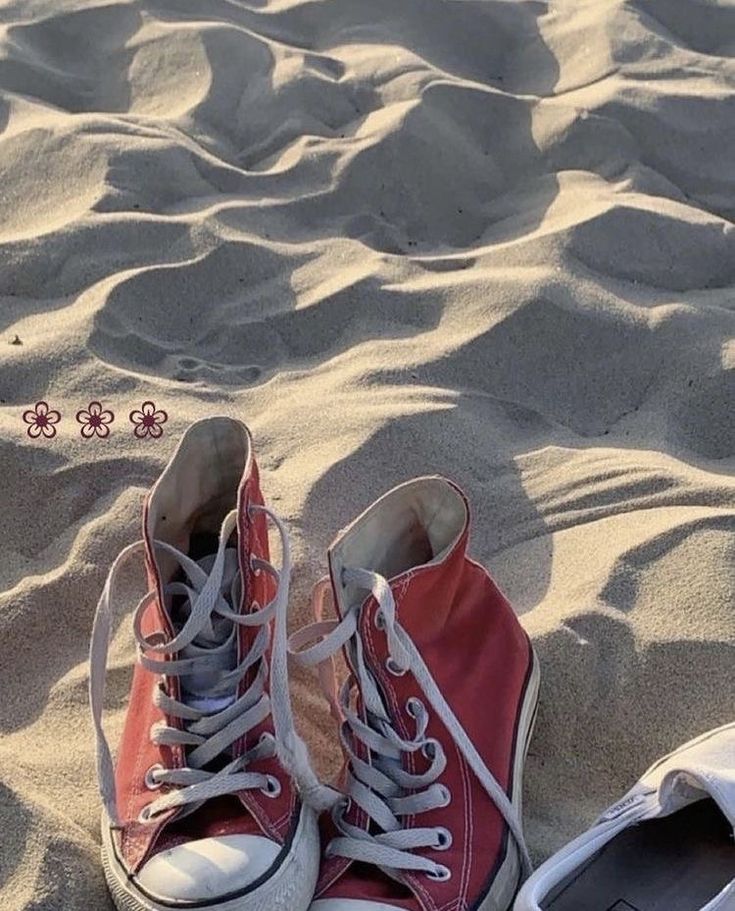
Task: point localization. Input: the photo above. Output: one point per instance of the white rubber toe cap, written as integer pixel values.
(208, 868)
(350, 904)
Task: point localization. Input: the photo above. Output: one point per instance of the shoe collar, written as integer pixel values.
(418, 525)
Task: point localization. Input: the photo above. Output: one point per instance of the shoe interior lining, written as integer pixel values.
(675, 863)
(199, 487)
(414, 524)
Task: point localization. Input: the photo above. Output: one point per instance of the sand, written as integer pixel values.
(489, 239)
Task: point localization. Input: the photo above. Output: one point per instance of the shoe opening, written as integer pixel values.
(413, 524)
(200, 485)
(679, 862)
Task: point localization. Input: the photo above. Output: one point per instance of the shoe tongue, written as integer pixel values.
(217, 640)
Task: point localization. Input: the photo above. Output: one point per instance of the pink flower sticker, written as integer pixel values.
(41, 420)
(148, 421)
(95, 421)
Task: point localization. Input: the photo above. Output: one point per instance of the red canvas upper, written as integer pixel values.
(480, 657)
(247, 812)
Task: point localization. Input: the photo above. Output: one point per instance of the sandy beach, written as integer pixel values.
(489, 239)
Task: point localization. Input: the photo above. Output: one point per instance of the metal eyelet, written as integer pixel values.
(414, 706)
(379, 619)
(272, 788)
(440, 873)
(428, 749)
(254, 607)
(145, 816)
(150, 781)
(255, 570)
(152, 640)
(394, 669)
(446, 795)
(444, 839)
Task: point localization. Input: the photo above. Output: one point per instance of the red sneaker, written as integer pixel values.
(200, 811)
(437, 714)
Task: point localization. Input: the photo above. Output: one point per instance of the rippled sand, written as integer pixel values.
(490, 239)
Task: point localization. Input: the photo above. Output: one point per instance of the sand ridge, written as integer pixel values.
(484, 238)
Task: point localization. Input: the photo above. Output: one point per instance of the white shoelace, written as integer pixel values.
(215, 717)
(381, 787)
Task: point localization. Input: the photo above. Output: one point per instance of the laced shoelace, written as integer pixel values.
(380, 786)
(216, 717)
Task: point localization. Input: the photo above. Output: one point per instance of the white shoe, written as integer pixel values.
(666, 846)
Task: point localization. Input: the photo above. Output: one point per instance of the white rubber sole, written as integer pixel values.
(290, 888)
(508, 879)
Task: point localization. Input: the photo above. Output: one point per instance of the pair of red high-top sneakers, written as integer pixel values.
(213, 803)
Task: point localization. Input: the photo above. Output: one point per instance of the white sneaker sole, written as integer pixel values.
(290, 888)
(506, 883)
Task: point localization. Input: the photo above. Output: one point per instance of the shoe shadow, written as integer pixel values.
(606, 710)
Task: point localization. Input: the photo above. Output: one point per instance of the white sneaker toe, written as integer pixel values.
(208, 868)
